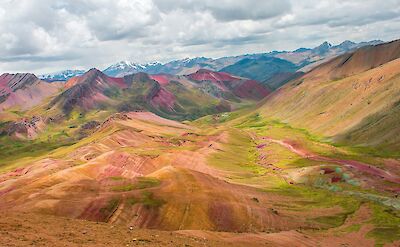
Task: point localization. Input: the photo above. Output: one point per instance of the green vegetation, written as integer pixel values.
(317, 198)
(147, 199)
(12, 150)
(387, 224)
(277, 129)
(308, 198)
(141, 183)
(238, 156)
(132, 201)
(112, 92)
(352, 228)
(332, 221)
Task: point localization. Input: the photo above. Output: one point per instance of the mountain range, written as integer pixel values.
(287, 61)
(198, 152)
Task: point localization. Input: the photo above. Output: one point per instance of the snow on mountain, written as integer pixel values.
(126, 67)
(300, 57)
(61, 75)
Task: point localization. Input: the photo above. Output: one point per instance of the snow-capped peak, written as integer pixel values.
(61, 75)
(124, 65)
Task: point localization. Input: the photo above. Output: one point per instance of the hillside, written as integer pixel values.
(223, 174)
(167, 95)
(22, 91)
(207, 158)
(261, 68)
(356, 92)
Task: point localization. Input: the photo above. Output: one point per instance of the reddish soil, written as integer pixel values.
(208, 75)
(161, 78)
(97, 79)
(24, 90)
(4, 79)
(217, 78)
(164, 99)
(252, 90)
(22, 229)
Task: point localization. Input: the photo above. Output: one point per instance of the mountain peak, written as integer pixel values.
(204, 71)
(123, 65)
(326, 44)
(322, 48)
(61, 75)
(346, 45)
(347, 42)
(93, 71)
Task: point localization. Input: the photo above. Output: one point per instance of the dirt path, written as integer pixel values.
(363, 167)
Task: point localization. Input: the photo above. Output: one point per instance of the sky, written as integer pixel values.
(42, 36)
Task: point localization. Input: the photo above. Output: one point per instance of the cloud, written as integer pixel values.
(229, 10)
(114, 20)
(47, 35)
(340, 13)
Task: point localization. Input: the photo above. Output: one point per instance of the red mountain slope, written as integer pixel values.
(241, 87)
(88, 90)
(24, 90)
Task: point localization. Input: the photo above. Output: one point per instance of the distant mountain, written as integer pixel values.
(185, 66)
(261, 68)
(61, 75)
(23, 90)
(303, 59)
(123, 68)
(87, 91)
(177, 97)
(281, 78)
(175, 67)
(305, 56)
(277, 68)
(240, 87)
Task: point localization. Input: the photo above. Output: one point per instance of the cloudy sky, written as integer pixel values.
(49, 35)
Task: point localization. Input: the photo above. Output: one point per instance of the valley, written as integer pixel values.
(207, 158)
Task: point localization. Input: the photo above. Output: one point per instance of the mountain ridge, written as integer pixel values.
(190, 65)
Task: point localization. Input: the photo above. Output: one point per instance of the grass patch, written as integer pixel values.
(332, 220)
(12, 150)
(387, 225)
(238, 156)
(149, 201)
(319, 198)
(141, 183)
(277, 129)
(352, 228)
(123, 188)
(132, 201)
(308, 198)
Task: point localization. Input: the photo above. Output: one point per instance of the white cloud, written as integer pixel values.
(47, 35)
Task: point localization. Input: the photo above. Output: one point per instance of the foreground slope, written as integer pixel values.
(223, 174)
(232, 172)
